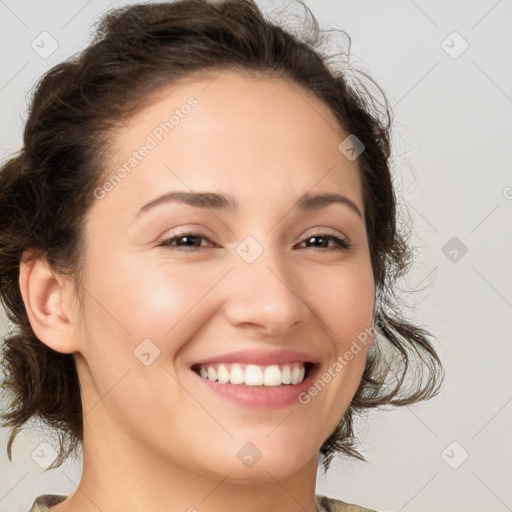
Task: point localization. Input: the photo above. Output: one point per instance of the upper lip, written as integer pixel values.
(260, 357)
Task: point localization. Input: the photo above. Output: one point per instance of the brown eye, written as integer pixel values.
(191, 240)
(324, 238)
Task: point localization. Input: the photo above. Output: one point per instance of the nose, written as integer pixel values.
(263, 294)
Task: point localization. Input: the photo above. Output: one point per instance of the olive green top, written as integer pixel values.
(324, 504)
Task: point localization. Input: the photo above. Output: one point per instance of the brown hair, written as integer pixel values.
(47, 189)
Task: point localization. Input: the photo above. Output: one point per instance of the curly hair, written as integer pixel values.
(46, 188)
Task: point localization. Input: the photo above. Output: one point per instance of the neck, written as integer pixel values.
(120, 473)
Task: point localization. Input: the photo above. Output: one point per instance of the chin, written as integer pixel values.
(262, 472)
(257, 463)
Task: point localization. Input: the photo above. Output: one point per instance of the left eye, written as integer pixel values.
(192, 241)
(341, 243)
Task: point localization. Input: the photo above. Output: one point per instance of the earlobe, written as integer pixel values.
(44, 294)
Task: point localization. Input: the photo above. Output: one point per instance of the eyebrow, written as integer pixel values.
(211, 200)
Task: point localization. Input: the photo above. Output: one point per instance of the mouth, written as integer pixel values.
(256, 376)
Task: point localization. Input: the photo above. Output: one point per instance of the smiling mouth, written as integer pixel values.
(273, 375)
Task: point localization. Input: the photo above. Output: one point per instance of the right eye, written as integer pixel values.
(190, 241)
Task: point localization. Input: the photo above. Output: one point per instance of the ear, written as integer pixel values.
(48, 301)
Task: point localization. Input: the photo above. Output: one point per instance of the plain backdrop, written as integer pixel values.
(445, 66)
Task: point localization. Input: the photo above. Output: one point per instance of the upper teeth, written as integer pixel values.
(254, 375)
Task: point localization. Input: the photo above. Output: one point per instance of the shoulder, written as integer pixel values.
(42, 503)
(327, 504)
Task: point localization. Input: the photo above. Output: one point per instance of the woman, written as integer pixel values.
(198, 249)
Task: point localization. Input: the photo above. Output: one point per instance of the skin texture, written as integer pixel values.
(155, 437)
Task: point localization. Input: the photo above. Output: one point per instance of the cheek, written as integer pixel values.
(345, 306)
(345, 300)
(166, 298)
(132, 301)
(345, 303)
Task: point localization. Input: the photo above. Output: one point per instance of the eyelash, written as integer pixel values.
(343, 245)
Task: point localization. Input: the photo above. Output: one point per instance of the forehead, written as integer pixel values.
(231, 129)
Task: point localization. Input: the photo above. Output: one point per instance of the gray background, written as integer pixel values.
(452, 153)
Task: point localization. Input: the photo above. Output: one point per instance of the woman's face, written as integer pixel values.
(260, 290)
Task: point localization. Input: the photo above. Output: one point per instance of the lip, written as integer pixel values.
(259, 357)
(254, 397)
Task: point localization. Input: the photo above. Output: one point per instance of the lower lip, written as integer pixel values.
(259, 397)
